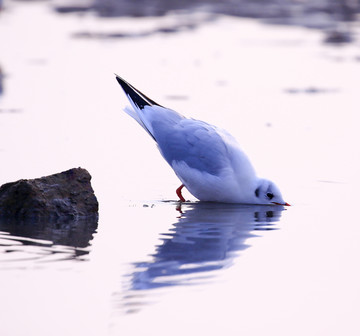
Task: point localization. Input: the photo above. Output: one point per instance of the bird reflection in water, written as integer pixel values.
(205, 238)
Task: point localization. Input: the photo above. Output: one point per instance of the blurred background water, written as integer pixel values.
(282, 76)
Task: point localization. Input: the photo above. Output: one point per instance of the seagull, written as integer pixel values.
(207, 160)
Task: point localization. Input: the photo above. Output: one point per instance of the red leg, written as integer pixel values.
(178, 192)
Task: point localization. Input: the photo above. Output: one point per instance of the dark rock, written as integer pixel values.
(66, 195)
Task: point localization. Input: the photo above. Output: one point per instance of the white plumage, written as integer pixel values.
(208, 161)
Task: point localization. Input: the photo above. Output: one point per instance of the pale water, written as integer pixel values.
(151, 266)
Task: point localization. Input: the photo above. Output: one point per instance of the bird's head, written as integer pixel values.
(266, 192)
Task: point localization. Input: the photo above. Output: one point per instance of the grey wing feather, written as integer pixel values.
(194, 142)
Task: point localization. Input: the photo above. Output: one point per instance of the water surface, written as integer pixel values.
(149, 265)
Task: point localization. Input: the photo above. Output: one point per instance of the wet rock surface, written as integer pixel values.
(66, 195)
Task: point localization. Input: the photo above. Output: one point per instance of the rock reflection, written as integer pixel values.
(44, 241)
(206, 238)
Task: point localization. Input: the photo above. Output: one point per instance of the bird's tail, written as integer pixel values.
(133, 112)
(138, 103)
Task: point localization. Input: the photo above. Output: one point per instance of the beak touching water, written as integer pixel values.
(287, 204)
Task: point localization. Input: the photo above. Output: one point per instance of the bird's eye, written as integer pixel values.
(269, 195)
